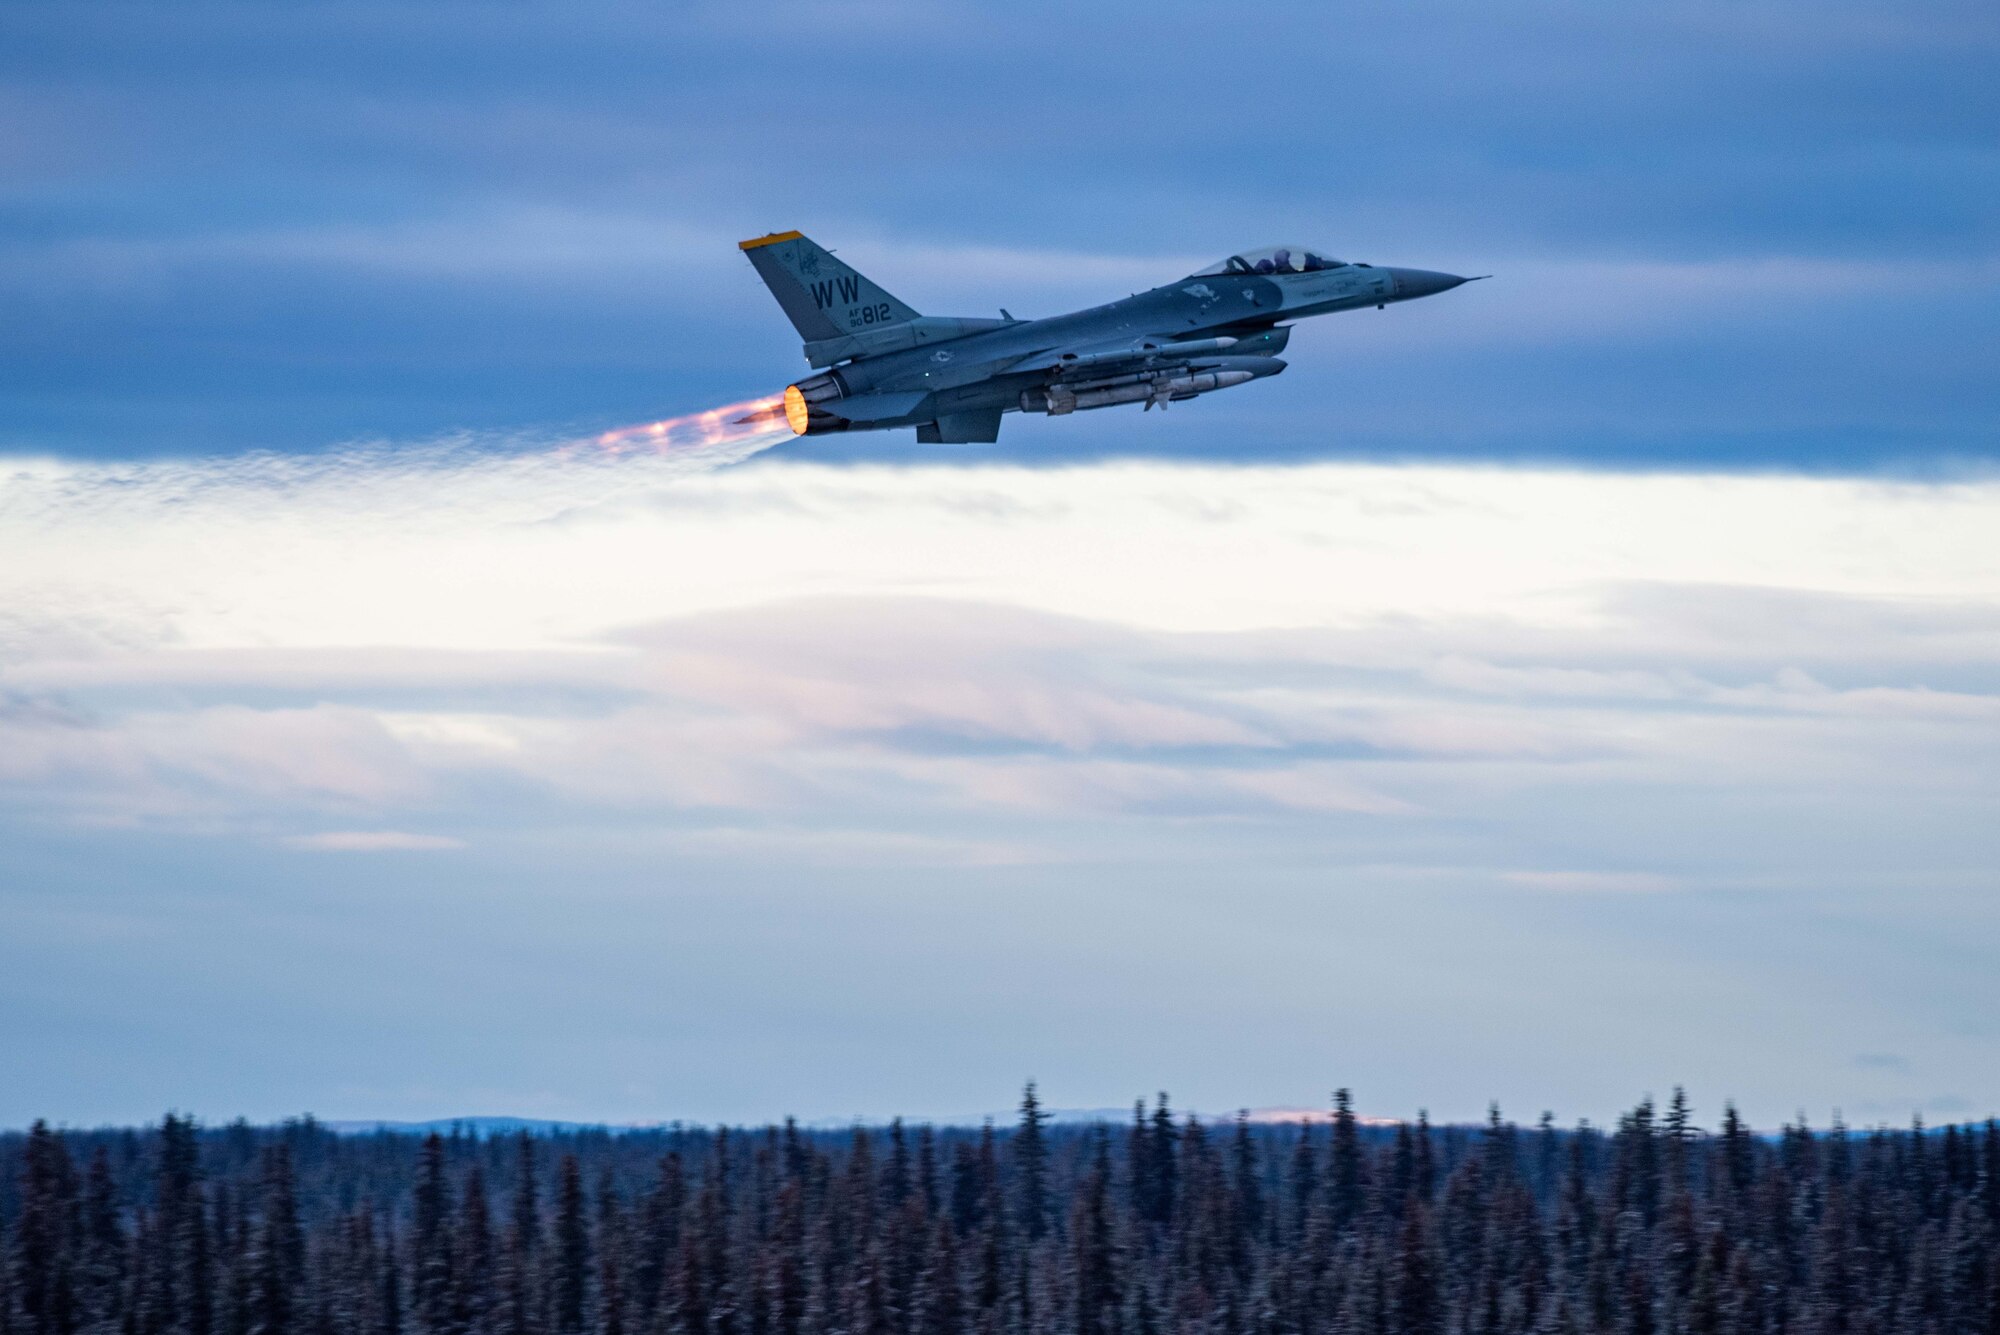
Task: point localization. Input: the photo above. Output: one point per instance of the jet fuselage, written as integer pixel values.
(953, 379)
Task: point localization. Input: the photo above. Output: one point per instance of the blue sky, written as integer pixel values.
(1724, 234)
(1578, 683)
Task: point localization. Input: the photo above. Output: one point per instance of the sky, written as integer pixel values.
(1580, 683)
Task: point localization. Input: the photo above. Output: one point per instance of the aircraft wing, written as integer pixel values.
(1095, 356)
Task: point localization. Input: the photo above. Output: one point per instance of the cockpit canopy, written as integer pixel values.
(1272, 259)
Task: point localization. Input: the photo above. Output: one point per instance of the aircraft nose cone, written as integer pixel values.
(1412, 283)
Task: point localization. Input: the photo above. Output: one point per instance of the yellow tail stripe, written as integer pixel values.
(770, 240)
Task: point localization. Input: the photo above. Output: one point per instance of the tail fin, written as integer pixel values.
(822, 297)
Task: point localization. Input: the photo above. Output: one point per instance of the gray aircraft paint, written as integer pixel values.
(883, 366)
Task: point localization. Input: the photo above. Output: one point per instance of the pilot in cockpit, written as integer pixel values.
(1276, 260)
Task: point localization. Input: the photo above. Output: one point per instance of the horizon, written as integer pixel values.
(496, 1126)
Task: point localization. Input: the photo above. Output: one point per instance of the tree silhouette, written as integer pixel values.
(1163, 1225)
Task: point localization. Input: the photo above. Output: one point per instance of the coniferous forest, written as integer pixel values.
(1160, 1226)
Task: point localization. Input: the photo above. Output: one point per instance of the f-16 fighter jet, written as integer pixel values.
(883, 365)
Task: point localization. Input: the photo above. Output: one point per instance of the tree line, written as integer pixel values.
(1165, 1225)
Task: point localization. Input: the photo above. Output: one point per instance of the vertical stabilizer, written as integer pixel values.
(821, 296)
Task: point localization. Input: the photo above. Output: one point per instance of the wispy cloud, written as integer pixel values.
(1591, 882)
(372, 841)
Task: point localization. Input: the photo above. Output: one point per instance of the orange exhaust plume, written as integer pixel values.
(717, 426)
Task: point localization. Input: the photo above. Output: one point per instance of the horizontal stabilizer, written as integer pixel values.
(981, 427)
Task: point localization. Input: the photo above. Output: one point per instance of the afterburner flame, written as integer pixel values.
(717, 426)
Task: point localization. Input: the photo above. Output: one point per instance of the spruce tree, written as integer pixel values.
(927, 1169)
(940, 1299)
(1344, 1182)
(1402, 1170)
(791, 1264)
(896, 1173)
(472, 1258)
(867, 1304)
(1302, 1179)
(660, 1224)
(610, 1251)
(1548, 1144)
(8, 1268)
(391, 1305)
(1637, 1162)
(526, 1214)
(1989, 1173)
(101, 1246)
(195, 1275)
(1680, 1134)
(1163, 1173)
(989, 1285)
(430, 1240)
(277, 1259)
(1139, 1162)
(572, 1249)
(1093, 1273)
(281, 1213)
(968, 1190)
(1247, 1179)
(44, 1296)
(1416, 1283)
(1739, 1164)
(176, 1270)
(1029, 1151)
(1426, 1159)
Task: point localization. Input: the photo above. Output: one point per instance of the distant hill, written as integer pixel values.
(481, 1126)
(486, 1127)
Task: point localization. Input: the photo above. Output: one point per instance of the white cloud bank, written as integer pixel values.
(371, 841)
(1551, 680)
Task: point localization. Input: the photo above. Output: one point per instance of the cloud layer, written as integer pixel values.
(275, 644)
(1460, 753)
